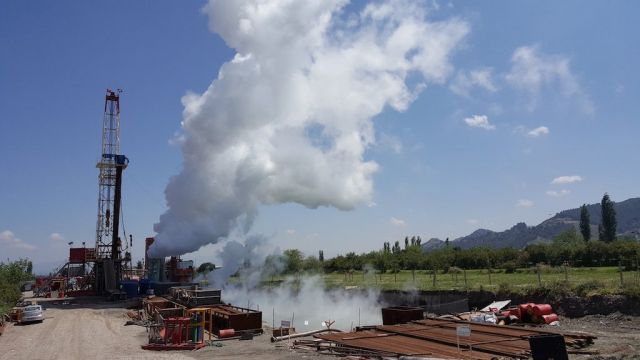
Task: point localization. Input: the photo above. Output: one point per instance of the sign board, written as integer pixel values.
(463, 330)
(285, 324)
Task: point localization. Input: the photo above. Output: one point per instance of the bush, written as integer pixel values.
(504, 288)
(556, 289)
(588, 288)
(510, 267)
(11, 274)
(631, 290)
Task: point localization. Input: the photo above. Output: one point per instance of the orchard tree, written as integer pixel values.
(293, 260)
(382, 261)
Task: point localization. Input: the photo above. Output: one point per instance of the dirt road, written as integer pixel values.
(97, 331)
(618, 335)
(76, 332)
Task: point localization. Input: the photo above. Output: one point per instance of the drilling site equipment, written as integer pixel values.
(108, 265)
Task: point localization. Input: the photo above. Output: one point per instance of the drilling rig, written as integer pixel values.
(105, 260)
(108, 260)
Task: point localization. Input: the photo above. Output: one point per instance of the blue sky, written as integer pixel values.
(538, 91)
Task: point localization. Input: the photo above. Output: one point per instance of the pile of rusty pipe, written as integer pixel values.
(308, 333)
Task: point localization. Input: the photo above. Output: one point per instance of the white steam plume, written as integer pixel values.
(290, 117)
(306, 300)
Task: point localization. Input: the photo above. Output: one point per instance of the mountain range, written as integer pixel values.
(521, 235)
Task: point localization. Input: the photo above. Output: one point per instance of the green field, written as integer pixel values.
(607, 279)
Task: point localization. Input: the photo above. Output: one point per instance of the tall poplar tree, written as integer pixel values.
(585, 223)
(607, 228)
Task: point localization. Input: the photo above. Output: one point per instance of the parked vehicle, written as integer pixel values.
(32, 313)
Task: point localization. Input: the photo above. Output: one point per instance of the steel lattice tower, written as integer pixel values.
(111, 164)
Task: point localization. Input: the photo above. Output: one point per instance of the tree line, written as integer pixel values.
(568, 248)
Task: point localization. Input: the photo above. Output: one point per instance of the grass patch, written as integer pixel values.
(577, 281)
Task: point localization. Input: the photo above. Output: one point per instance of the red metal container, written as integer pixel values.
(524, 308)
(77, 255)
(541, 309)
(548, 319)
(515, 312)
(226, 333)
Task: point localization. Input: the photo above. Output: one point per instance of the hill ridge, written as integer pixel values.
(521, 235)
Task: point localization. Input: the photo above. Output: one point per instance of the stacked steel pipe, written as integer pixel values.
(438, 337)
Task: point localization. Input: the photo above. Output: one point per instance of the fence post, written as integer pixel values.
(538, 268)
(620, 270)
(464, 271)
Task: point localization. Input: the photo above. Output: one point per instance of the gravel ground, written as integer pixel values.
(97, 331)
(618, 335)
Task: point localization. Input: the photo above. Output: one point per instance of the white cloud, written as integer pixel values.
(479, 121)
(372, 204)
(539, 131)
(532, 70)
(524, 203)
(291, 231)
(290, 118)
(56, 237)
(8, 238)
(465, 81)
(390, 142)
(567, 179)
(473, 222)
(397, 222)
(559, 193)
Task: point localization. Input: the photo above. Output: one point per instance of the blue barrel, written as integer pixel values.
(130, 287)
(144, 286)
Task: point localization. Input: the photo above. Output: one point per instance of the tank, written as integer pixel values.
(144, 286)
(130, 287)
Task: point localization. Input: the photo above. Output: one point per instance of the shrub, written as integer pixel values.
(588, 288)
(554, 289)
(504, 288)
(631, 290)
(510, 267)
